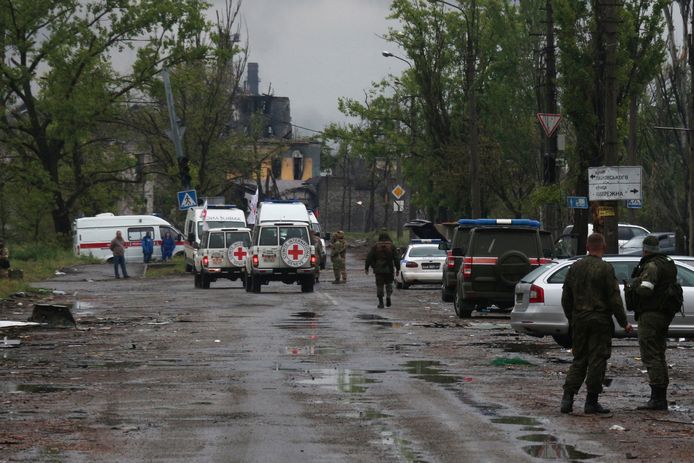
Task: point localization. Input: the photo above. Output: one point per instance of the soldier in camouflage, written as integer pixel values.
(338, 255)
(383, 258)
(650, 279)
(590, 299)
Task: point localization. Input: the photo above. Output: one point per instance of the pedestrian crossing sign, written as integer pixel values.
(187, 199)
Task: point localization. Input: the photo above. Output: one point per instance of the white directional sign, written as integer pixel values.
(614, 183)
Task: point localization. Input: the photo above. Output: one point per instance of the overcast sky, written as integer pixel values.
(314, 51)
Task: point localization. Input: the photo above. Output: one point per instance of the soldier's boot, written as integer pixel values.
(658, 400)
(592, 406)
(380, 302)
(567, 402)
(388, 301)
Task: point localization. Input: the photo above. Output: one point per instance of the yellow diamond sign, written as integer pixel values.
(398, 192)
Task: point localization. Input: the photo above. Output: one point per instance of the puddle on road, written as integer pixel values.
(545, 438)
(402, 446)
(377, 320)
(553, 451)
(518, 420)
(13, 388)
(340, 379)
(426, 370)
(301, 320)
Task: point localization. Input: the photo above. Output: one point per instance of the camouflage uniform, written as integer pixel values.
(383, 259)
(590, 298)
(338, 255)
(4, 261)
(650, 279)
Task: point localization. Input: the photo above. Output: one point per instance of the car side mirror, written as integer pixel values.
(196, 246)
(443, 246)
(179, 237)
(191, 238)
(326, 236)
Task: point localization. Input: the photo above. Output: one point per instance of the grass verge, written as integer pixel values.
(38, 262)
(175, 266)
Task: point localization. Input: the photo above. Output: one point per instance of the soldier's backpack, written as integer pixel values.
(673, 299)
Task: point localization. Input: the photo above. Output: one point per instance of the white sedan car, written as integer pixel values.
(538, 312)
(422, 263)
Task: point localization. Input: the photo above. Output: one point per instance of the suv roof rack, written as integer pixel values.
(513, 222)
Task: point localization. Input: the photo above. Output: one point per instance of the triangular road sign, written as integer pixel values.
(549, 122)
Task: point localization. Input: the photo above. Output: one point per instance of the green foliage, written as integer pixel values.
(62, 93)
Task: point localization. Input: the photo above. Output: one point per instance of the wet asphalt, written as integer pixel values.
(158, 370)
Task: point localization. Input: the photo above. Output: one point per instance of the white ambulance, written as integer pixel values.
(218, 216)
(92, 235)
(281, 248)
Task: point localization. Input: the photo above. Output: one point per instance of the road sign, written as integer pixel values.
(614, 183)
(399, 205)
(549, 122)
(577, 202)
(606, 211)
(634, 204)
(187, 199)
(398, 192)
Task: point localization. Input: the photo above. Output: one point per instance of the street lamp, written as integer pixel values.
(388, 54)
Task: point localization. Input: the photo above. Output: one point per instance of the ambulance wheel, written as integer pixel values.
(204, 281)
(196, 279)
(307, 284)
(189, 268)
(247, 283)
(255, 285)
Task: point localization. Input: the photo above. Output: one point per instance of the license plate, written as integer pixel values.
(217, 260)
(430, 266)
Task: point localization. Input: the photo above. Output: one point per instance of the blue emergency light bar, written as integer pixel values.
(425, 241)
(491, 222)
(282, 201)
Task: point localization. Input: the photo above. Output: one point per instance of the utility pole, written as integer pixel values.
(176, 132)
(609, 18)
(470, 77)
(550, 157)
(690, 137)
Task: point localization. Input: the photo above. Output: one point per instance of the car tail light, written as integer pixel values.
(467, 268)
(450, 260)
(205, 261)
(256, 261)
(313, 260)
(537, 295)
(411, 265)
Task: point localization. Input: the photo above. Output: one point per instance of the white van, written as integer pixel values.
(92, 235)
(281, 247)
(218, 216)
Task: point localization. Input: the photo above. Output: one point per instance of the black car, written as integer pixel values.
(499, 252)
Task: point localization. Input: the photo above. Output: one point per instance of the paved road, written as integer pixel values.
(160, 371)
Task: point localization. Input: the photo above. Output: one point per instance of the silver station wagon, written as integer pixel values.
(538, 312)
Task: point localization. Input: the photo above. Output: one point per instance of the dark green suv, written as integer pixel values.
(456, 249)
(499, 252)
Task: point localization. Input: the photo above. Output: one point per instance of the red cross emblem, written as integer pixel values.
(240, 253)
(295, 252)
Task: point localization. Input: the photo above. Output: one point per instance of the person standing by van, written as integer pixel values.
(118, 249)
(167, 247)
(147, 247)
(338, 254)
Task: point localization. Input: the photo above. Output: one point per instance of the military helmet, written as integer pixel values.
(651, 244)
